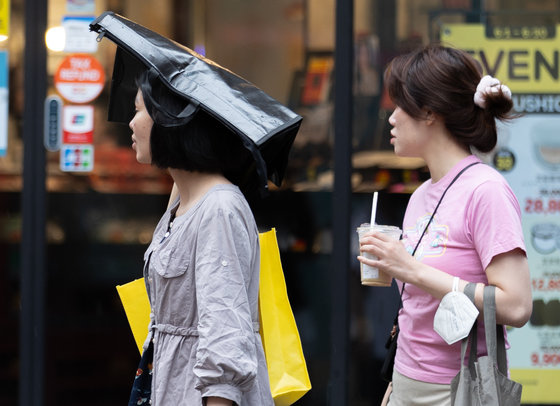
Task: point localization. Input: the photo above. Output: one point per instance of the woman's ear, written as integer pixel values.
(430, 117)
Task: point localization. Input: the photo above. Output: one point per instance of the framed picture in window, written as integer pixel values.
(317, 82)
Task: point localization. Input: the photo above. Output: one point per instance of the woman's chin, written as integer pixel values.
(142, 159)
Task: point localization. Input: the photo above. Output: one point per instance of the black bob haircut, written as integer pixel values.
(185, 137)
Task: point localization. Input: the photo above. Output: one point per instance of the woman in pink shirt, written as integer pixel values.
(445, 111)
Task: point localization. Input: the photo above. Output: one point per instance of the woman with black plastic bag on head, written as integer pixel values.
(202, 267)
(221, 139)
(445, 112)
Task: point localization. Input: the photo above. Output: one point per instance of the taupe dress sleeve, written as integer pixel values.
(226, 251)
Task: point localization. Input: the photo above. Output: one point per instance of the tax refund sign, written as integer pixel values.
(526, 58)
(79, 79)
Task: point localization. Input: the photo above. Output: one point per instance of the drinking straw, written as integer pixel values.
(373, 208)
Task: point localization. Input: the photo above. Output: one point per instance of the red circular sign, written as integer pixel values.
(79, 78)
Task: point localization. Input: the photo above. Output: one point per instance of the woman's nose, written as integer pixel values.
(392, 119)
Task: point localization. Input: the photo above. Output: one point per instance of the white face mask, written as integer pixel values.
(455, 315)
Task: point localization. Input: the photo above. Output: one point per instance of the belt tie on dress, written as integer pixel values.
(188, 331)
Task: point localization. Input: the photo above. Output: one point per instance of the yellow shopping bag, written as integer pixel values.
(137, 308)
(287, 370)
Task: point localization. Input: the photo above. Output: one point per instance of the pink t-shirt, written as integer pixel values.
(478, 219)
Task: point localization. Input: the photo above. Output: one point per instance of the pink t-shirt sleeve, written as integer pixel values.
(495, 220)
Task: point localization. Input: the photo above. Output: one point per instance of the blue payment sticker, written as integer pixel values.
(76, 157)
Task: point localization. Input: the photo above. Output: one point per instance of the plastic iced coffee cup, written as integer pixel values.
(372, 276)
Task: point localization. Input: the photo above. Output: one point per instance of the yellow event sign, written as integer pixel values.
(4, 18)
(527, 61)
(540, 386)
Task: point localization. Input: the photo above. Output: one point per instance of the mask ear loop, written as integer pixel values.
(455, 284)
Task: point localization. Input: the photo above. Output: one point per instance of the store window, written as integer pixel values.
(101, 214)
(516, 42)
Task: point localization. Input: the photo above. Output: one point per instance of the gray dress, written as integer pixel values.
(203, 284)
